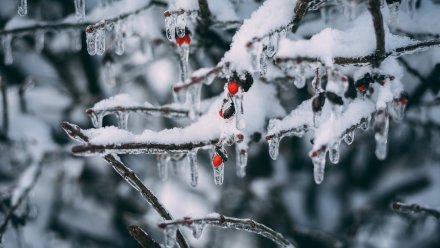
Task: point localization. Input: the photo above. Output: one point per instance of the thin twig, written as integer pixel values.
(5, 125)
(376, 14)
(77, 25)
(142, 237)
(231, 223)
(128, 175)
(415, 208)
(214, 71)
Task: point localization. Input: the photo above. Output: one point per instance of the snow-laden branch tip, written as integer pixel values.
(197, 225)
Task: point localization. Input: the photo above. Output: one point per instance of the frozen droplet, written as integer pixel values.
(80, 10)
(22, 7)
(76, 41)
(193, 95)
(170, 236)
(319, 166)
(96, 118)
(242, 157)
(181, 25)
(122, 118)
(192, 159)
(39, 40)
(349, 137)
(119, 41)
(7, 49)
(91, 42)
(394, 13)
(197, 230)
(170, 26)
(219, 172)
(162, 166)
(183, 56)
(274, 143)
(239, 113)
(333, 152)
(100, 40)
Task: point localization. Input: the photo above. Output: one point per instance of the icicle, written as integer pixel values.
(100, 39)
(76, 42)
(181, 25)
(319, 166)
(170, 26)
(183, 55)
(274, 143)
(241, 157)
(170, 236)
(162, 166)
(122, 118)
(22, 7)
(109, 74)
(192, 159)
(394, 14)
(96, 118)
(197, 230)
(334, 152)
(39, 41)
(193, 100)
(91, 40)
(219, 172)
(119, 42)
(239, 114)
(349, 137)
(7, 49)
(80, 10)
(381, 127)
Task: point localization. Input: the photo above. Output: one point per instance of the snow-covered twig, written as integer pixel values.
(374, 9)
(212, 72)
(5, 124)
(142, 237)
(128, 175)
(222, 221)
(76, 25)
(415, 208)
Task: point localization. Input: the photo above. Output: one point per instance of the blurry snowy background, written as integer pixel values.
(81, 202)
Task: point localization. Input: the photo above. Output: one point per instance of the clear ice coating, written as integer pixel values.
(100, 39)
(119, 42)
(239, 113)
(192, 159)
(75, 39)
(170, 236)
(162, 166)
(219, 172)
(96, 118)
(241, 159)
(197, 230)
(122, 118)
(80, 10)
(333, 152)
(7, 49)
(170, 26)
(381, 134)
(39, 41)
(349, 137)
(22, 7)
(183, 56)
(319, 166)
(91, 42)
(181, 25)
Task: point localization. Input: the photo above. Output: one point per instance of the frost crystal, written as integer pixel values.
(219, 174)
(119, 42)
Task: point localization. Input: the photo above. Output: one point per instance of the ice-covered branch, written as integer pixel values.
(374, 9)
(142, 237)
(128, 175)
(415, 208)
(165, 111)
(197, 225)
(199, 78)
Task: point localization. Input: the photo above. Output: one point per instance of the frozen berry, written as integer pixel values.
(233, 87)
(403, 98)
(183, 40)
(220, 113)
(362, 87)
(217, 160)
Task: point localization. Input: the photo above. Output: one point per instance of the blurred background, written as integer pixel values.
(82, 202)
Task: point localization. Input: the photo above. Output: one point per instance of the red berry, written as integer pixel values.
(403, 100)
(233, 87)
(217, 160)
(362, 87)
(183, 40)
(220, 113)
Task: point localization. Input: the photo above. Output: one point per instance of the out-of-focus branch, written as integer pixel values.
(21, 91)
(5, 124)
(128, 175)
(163, 111)
(67, 25)
(231, 223)
(374, 9)
(142, 237)
(214, 71)
(205, 14)
(415, 208)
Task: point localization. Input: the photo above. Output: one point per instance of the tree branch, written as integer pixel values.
(5, 125)
(231, 223)
(142, 237)
(128, 175)
(376, 14)
(415, 208)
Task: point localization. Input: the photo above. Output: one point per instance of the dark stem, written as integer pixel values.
(415, 208)
(142, 237)
(5, 125)
(374, 9)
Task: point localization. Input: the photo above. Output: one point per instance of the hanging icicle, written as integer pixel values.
(76, 40)
(333, 152)
(192, 159)
(22, 7)
(122, 118)
(170, 25)
(241, 158)
(197, 230)
(318, 160)
(7, 49)
(119, 41)
(91, 40)
(170, 236)
(381, 127)
(80, 10)
(100, 38)
(162, 166)
(181, 25)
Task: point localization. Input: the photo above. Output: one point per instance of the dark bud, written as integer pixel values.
(318, 102)
(335, 99)
(351, 91)
(247, 82)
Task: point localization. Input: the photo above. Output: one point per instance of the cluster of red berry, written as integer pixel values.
(185, 39)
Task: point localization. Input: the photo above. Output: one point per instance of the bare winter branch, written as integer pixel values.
(415, 208)
(231, 223)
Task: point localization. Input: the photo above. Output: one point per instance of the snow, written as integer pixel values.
(121, 100)
(184, 4)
